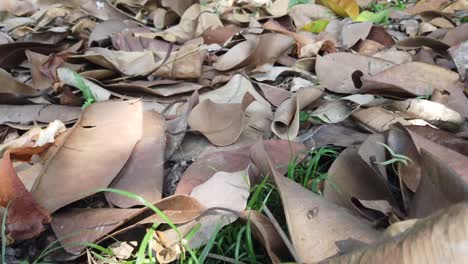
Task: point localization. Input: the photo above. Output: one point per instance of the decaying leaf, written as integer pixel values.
(92, 155)
(26, 217)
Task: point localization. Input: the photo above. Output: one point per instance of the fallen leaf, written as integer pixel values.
(352, 177)
(89, 225)
(413, 78)
(92, 151)
(343, 8)
(306, 13)
(222, 124)
(331, 134)
(304, 208)
(68, 76)
(280, 151)
(334, 70)
(446, 227)
(434, 113)
(286, 120)
(458, 55)
(352, 33)
(377, 119)
(44, 114)
(143, 173)
(26, 217)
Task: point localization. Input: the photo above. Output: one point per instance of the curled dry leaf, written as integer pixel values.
(334, 70)
(446, 228)
(434, 113)
(442, 137)
(377, 119)
(286, 120)
(96, 150)
(255, 52)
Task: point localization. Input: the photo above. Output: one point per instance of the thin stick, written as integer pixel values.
(223, 258)
(282, 234)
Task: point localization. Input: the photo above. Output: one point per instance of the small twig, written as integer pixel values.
(282, 234)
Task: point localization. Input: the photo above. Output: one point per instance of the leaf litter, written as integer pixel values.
(250, 131)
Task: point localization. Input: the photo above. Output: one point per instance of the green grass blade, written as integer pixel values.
(210, 243)
(146, 203)
(4, 238)
(250, 246)
(239, 237)
(144, 244)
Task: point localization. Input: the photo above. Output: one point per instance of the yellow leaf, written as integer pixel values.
(343, 8)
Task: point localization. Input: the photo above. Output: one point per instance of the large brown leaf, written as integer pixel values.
(352, 177)
(334, 70)
(143, 173)
(90, 225)
(314, 224)
(413, 78)
(439, 237)
(222, 124)
(96, 150)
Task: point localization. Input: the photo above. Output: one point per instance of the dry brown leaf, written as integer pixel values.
(143, 173)
(427, 5)
(222, 124)
(96, 150)
(286, 120)
(13, 91)
(186, 63)
(91, 225)
(413, 78)
(45, 114)
(331, 134)
(219, 35)
(26, 216)
(376, 119)
(352, 177)
(441, 137)
(280, 151)
(434, 113)
(334, 70)
(437, 237)
(458, 54)
(304, 209)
